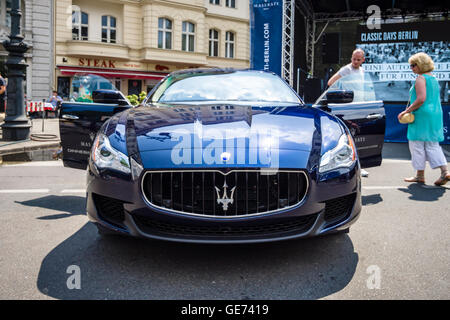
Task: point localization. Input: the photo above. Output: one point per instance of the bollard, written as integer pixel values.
(43, 114)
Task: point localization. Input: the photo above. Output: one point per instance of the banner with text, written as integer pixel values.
(266, 29)
(389, 48)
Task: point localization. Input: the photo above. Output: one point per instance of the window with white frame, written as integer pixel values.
(230, 3)
(109, 29)
(216, 2)
(213, 43)
(80, 25)
(229, 44)
(5, 13)
(188, 36)
(164, 33)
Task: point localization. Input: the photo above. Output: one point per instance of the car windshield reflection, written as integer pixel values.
(235, 86)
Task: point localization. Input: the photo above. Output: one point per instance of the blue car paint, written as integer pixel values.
(293, 130)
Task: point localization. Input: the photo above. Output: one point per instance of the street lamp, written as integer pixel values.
(17, 125)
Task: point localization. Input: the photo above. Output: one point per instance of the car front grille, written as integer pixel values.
(338, 209)
(215, 193)
(281, 227)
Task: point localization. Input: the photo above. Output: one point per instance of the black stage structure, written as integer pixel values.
(311, 53)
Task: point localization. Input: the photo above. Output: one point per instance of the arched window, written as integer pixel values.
(188, 36)
(229, 44)
(80, 25)
(213, 43)
(109, 31)
(164, 33)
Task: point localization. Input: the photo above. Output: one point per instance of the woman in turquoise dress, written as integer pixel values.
(427, 130)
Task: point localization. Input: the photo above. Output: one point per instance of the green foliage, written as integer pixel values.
(135, 99)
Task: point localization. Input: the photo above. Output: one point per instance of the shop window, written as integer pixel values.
(64, 87)
(164, 33)
(109, 31)
(230, 3)
(80, 25)
(134, 87)
(118, 84)
(188, 36)
(229, 44)
(213, 43)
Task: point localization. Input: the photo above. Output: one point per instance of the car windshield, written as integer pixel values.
(233, 86)
(84, 84)
(361, 85)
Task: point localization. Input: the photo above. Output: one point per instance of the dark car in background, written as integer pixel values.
(221, 156)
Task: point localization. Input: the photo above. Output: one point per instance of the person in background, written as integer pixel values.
(427, 130)
(3, 97)
(354, 67)
(55, 99)
(358, 58)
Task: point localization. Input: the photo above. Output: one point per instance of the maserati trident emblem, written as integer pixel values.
(224, 200)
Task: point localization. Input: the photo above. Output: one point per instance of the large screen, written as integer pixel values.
(389, 48)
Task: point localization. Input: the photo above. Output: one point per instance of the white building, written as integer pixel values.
(135, 43)
(37, 29)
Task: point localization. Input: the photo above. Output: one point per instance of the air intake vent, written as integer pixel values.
(338, 209)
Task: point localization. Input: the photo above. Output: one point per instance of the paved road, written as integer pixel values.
(399, 248)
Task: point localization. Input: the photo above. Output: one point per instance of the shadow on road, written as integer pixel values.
(72, 205)
(421, 192)
(371, 199)
(127, 268)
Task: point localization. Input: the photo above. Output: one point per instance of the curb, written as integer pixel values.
(22, 149)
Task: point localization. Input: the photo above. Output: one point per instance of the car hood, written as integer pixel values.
(209, 134)
(197, 127)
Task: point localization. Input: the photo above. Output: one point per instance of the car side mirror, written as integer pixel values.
(109, 96)
(340, 96)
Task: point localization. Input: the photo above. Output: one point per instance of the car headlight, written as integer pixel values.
(106, 157)
(342, 156)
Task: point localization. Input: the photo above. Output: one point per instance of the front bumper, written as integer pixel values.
(333, 203)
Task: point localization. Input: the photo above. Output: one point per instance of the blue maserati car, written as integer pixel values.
(221, 156)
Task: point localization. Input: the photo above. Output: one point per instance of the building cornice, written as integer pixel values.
(175, 4)
(225, 17)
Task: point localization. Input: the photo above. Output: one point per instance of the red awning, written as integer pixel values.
(109, 73)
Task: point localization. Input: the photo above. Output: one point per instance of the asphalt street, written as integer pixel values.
(398, 249)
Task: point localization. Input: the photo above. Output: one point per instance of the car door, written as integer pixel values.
(94, 100)
(353, 100)
(78, 125)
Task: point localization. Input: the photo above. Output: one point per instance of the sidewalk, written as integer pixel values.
(41, 140)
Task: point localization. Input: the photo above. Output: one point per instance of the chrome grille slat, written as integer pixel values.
(192, 192)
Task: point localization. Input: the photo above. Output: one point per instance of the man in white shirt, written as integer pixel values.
(354, 67)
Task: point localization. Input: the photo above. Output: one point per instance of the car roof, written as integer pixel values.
(216, 70)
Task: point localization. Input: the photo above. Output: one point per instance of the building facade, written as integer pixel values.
(37, 29)
(135, 43)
